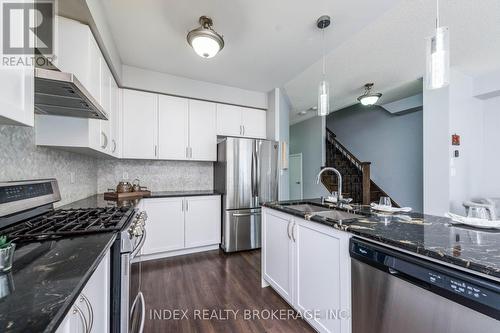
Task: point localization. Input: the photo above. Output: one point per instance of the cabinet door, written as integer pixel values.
(254, 123)
(105, 135)
(173, 123)
(320, 268)
(202, 131)
(139, 124)
(203, 221)
(97, 291)
(229, 120)
(17, 96)
(165, 225)
(115, 120)
(277, 253)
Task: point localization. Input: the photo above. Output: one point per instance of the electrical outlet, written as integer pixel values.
(72, 177)
(125, 175)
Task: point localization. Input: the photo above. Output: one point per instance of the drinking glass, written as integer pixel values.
(385, 201)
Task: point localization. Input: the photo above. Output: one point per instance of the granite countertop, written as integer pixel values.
(46, 279)
(430, 236)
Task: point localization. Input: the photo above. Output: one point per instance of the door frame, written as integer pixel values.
(301, 172)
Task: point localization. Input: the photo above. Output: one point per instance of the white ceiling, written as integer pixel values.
(268, 42)
(275, 43)
(391, 51)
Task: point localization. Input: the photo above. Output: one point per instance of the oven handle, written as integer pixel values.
(139, 246)
(143, 309)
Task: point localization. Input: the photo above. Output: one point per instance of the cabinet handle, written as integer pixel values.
(187, 205)
(288, 230)
(293, 231)
(182, 205)
(114, 146)
(105, 141)
(243, 129)
(79, 311)
(90, 310)
(190, 152)
(156, 151)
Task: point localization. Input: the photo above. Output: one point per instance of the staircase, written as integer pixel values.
(355, 174)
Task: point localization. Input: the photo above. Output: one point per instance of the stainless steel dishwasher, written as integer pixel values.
(393, 292)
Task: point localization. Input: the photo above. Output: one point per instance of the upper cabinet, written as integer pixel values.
(78, 53)
(140, 126)
(241, 121)
(17, 96)
(168, 128)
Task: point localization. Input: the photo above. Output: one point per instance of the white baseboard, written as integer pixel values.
(153, 256)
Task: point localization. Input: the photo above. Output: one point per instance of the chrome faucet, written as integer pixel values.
(340, 200)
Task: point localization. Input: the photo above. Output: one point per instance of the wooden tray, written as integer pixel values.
(126, 196)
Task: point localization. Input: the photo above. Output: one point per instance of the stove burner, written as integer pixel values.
(68, 222)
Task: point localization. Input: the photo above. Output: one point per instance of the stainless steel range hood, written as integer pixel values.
(61, 94)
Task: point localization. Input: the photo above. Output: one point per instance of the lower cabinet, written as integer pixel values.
(180, 225)
(308, 264)
(90, 312)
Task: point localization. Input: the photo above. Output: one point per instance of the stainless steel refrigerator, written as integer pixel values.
(246, 173)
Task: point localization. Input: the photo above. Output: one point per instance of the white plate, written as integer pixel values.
(473, 222)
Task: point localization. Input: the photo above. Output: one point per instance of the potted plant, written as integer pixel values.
(6, 254)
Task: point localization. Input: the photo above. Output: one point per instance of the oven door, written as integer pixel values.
(132, 300)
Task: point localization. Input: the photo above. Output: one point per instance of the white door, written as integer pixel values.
(317, 269)
(253, 122)
(229, 120)
(203, 221)
(278, 253)
(139, 124)
(202, 131)
(173, 125)
(165, 225)
(295, 168)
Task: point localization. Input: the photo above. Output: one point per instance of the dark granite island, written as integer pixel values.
(473, 250)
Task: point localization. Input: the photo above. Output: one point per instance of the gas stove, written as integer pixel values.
(68, 222)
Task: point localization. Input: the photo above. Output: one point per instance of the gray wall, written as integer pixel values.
(393, 143)
(307, 137)
(156, 175)
(21, 159)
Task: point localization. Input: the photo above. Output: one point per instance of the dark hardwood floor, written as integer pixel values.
(216, 283)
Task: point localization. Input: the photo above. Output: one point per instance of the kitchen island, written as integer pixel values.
(306, 259)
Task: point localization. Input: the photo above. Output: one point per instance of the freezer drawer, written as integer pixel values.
(241, 230)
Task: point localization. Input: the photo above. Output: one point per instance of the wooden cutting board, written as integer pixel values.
(126, 195)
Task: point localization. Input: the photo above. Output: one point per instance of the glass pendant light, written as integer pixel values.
(324, 86)
(438, 57)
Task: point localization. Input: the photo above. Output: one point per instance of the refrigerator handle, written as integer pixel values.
(257, 166)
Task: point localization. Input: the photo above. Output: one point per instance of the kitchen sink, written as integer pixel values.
(337, 215)
(306, 208)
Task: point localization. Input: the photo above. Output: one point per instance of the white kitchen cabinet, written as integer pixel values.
(241, 121)
(202, 131)
(173, 128)
(165, 225)
(17, 96)
(277, 255)
(139, 124)
(105, 125)
(322, 279)
(90, 313)
(116, 133)
(181, 225)
(202, 221)
(308, 264)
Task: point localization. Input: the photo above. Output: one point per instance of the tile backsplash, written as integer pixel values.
(20, 159)
(156, 175)
(80, 176)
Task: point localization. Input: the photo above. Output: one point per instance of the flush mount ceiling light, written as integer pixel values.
(204, 40)
(324, 87)
(369, 98)
(438, 56)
